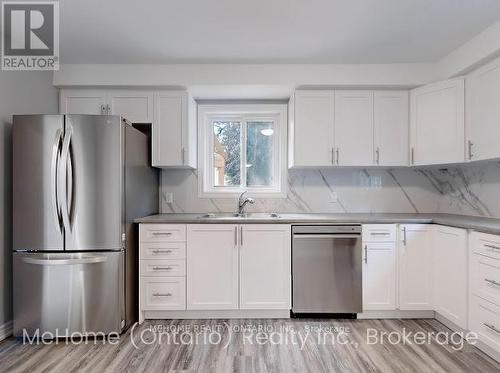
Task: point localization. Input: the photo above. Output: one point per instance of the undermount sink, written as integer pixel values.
(255, 215)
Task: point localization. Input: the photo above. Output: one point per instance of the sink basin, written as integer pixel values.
(231, 216)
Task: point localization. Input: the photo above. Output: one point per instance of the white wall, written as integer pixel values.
(20, 93)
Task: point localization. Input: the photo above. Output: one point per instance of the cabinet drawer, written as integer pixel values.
(162, 250)
(485, 244)
(485, 321)
(486, 277)
(163, 293)
(379, 233)
(162, 233)
(164, 267)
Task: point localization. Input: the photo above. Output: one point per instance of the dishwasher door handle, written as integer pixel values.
(308, 236)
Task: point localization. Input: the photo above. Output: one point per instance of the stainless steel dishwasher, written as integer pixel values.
(326, 270)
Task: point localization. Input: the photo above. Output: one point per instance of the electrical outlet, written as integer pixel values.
(169, 197)
(334, 198)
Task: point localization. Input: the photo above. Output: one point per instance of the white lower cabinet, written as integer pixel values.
(450, 273)
(212, 266)
(415, 267)
(265, 266)
(379, 267)
(379, 276)
(484, 288)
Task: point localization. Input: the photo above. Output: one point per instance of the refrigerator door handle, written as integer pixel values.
(49, 260)
(66, 183)
(54, 164)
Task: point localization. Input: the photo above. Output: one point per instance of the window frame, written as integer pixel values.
(207, 114)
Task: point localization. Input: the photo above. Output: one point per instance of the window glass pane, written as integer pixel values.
(227, 150)
(260, 139)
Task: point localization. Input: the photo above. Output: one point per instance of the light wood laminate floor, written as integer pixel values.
(236, 354)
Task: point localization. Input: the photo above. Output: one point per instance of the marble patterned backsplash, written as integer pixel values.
(472, 189)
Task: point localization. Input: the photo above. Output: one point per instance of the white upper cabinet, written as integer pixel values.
(391, 119)
(134, 105)
(450, 274)
(311, 130)
(354, 128)
(82, 101)
(437, 129)
(174, 130)
(415, 267)
(483, 112)
(348, 128)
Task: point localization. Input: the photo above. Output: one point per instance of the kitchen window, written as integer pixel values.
(242, 148)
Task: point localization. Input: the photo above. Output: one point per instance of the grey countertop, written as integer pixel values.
(488, 225)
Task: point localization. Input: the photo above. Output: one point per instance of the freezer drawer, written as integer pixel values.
(64, 293)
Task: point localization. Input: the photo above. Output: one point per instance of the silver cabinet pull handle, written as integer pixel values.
(380, 234)
(103, 109)
(337, 152)
(162, 268)
(366, 254)
(157, 251)
(183, 155)
(235, 236)
(404, 236)
(162, 233)
(412, 156)
(492, 282)
(241, 236)
(492, 246)
(469, 143)
(332, 151)
(492, 327)
(162, 294)
(108, 109)
(377, 152)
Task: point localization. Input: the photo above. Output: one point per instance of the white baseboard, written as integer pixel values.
(396, 314)
(5, 330)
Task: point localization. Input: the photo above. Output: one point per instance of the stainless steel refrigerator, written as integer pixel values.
(79, 181)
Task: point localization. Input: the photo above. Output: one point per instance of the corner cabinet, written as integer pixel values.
(437, 123)
(450, 273)
(483, 112)
(174, 130)
(415, 267)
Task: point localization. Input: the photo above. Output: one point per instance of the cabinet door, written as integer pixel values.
(136, 106)
(212, 267)
(379, 276)
(483, 112)
(437, 123)
(354, 128)
(82, 101)
(174, 134)
(415, 267)
(391, 128)
(450, 274)
(312, 129)
(265, 266)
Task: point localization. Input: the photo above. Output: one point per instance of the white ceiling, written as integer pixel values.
(269, 31)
